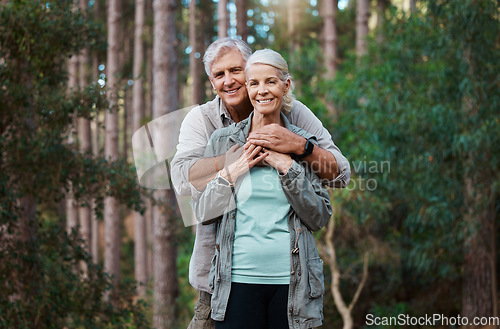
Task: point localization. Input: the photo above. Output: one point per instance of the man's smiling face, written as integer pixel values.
(227, 76)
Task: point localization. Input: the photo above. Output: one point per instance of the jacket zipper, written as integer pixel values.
(295, 250)
(218, 250)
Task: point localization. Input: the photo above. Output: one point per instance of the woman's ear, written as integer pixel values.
(287, 85)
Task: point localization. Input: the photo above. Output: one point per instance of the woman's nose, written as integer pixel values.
(262, 90)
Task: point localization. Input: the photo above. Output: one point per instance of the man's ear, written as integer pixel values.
(212, 83)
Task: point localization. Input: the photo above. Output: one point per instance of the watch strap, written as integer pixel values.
(308, 149)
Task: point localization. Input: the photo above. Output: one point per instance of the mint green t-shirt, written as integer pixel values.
(261, 249)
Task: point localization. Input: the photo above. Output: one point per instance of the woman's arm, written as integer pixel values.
(218, 196)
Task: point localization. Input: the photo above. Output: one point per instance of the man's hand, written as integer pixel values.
(277, 138)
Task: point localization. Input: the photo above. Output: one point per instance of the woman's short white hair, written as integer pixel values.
(220, 47)
(274, 59)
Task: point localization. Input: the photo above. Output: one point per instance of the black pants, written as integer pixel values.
(256, 306)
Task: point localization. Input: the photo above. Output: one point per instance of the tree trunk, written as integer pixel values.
(331, 55)
(222, 19)
(331, 258)
(127, 104)
(331, 37)
(111, 210)
(148, 113)
(140, 242)
(381, 8)
(479, 293)
(292, 23)
(71, 208)
(84, 138)
(241, 19)
(165, 99)
(195, 57)
(95, 127)
(148, 217)
(362, 15)
(413, 6)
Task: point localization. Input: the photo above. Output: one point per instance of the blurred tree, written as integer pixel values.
(140, 237)
(222, 18)
(71, 207)
(362, 15)
(95, 135)
(413, 6)
(425, 101)
(112, 226)
(85, 141)
(241, 19)
(165, 99)
(330, 47)
(380, 12)
(195, 57)
(330, 35)
(40, 287)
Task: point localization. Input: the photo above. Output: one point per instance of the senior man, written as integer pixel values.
(224, 62)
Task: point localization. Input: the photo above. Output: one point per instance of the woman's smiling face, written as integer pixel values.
(265, 88)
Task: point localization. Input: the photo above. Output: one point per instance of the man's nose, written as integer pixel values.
(228, 79)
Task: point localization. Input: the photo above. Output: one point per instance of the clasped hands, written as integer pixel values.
(270, 145)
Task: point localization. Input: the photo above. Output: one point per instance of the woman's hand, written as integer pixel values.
(279, 161)
(239, 160)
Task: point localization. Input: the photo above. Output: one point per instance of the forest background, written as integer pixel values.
(408, 89)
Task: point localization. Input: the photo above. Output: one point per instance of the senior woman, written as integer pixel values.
(266, 272)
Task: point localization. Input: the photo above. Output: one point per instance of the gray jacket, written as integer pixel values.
(195, 132)
(310, 210)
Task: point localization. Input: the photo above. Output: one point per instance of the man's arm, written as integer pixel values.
(193, 139)
(282, 140)
(327, 160)
(204, 170)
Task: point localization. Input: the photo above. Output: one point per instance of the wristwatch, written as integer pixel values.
(307, 150)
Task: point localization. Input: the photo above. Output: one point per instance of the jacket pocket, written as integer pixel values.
(316, 278)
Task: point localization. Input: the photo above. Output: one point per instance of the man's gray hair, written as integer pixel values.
(221, 46)
(274, 59)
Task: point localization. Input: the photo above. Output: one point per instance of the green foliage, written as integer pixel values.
(425, 101)
(388, 314)
(42, 285)
(55, 294)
